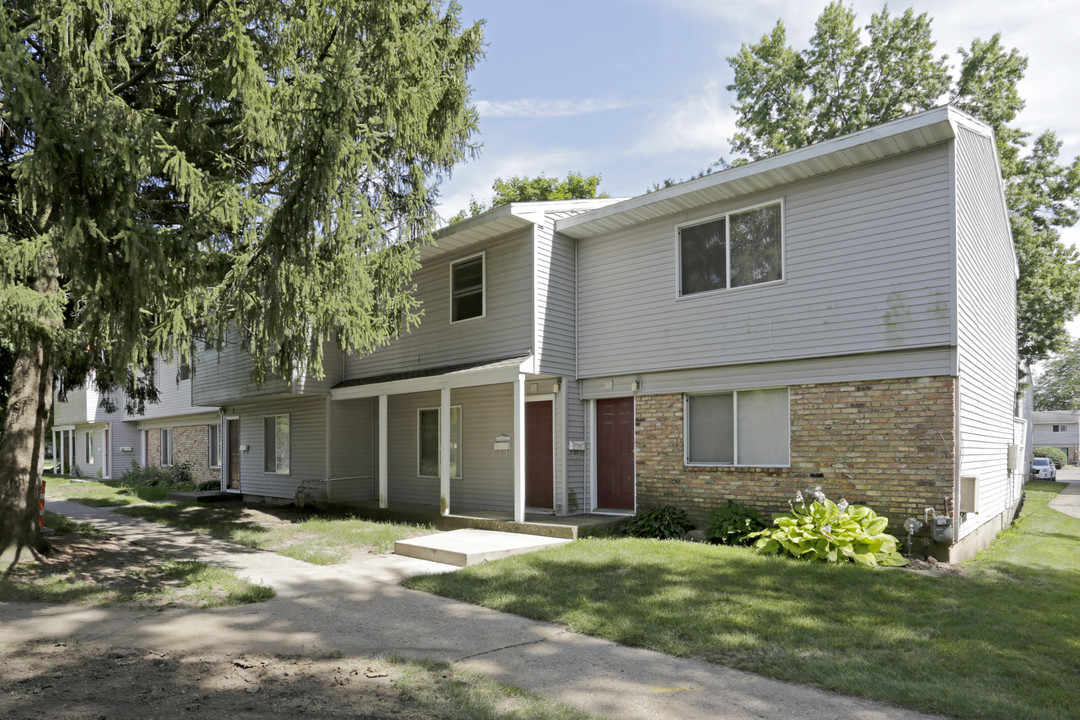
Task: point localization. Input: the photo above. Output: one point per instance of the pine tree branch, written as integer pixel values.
(152, 63)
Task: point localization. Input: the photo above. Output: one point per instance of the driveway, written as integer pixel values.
(359, 609)
(1068, 501)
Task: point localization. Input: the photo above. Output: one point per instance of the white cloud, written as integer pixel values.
(541, 108)
(701, 123)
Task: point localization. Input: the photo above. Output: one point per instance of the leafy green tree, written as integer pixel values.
(525, 189)
(173, 169)
(789, 98)
(1057, 387)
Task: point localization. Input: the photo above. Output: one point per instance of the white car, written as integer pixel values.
(1043, 469)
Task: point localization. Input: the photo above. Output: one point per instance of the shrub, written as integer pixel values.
(731, 523)
(665, 523)
(824, 530)
(176, 477)
(1056, 456)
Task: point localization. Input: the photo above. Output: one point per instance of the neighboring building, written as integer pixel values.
(1057, 429)
(94, 442)
(841, 315)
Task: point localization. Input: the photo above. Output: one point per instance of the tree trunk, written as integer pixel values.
(22, 438)
(22, 450)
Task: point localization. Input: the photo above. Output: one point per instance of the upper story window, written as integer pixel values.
(467, 298)
(1061, 428)
(184, 372)
(739, 249)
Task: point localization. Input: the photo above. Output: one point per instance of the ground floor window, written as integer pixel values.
(166, 446)
(428, 450)
(276, 444)
(213, 441)
(89, 447)
(744, 427)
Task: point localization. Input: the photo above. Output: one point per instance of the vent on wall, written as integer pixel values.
(969, 494)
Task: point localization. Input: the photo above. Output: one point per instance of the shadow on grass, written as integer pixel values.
(222, 522)
(1001, 642)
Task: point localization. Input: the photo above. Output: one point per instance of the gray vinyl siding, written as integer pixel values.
(868, 267)
(505, 331)
(986, 325)
(848, 368)
(224, 376)
(487, 477)
(83, 405)
(353, 450)
(174, 396)
(556, 300)
(307, 445)
(576, 484)
(125, 434)
(333, 367)
(1044, 435)
(95, 469)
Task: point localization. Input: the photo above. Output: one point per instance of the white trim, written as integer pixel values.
(782, 280)
(590, 419)
(537, 398)
(209, 454)
(519, 448)
(445, 417)
(500, 373)
(384, 495)
(483, 286)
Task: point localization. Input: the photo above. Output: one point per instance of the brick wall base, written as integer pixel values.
(886, 444)
(191, 445)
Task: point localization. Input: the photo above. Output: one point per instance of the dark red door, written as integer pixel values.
(234, 454)
(539, 457)
(615, 454)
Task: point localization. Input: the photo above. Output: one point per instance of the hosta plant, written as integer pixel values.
(732, 524)
(833, 532)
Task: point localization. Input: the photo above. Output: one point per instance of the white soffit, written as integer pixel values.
(913, 132)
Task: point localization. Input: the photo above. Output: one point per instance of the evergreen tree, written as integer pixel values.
(788, 98)
(1057, 387)
(171, 169)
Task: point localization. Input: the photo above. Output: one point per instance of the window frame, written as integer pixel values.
(288, 420)
(460, 439)
(213, 445)
(483, 286)
(687, 462)
(166, 443)
(1060, 428)
(89, 454)
(183, 370)
(725, 216)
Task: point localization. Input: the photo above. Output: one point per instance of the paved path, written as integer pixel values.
(1068, 500)
(359, 609)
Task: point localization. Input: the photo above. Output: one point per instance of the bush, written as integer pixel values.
(664, 523)
(176, 477)
(824, 530)
(1056, 456)
(731, 523)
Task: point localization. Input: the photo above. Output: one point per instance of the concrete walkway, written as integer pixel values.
(359, 609)
(1068, 500)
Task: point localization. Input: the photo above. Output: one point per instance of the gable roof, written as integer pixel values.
(914, 132)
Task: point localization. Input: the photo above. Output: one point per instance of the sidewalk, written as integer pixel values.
(1068, 501)
(359, 609)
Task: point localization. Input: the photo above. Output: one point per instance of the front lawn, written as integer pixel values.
(1000, 642)
(108, 493)
(322, 539)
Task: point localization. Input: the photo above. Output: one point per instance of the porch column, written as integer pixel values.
(383, 485)
(444, 453)
(55, 456)
(519, 448)
(63, 451)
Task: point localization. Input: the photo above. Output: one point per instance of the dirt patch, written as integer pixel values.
(99, 569)
(67, 680)
(931, 566)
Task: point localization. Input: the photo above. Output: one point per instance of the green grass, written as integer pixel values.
(1001, 642)
(102, 493)
(61, 525)
(322, 540)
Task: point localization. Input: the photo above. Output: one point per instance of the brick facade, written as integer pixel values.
(887, 444)
(191, 446)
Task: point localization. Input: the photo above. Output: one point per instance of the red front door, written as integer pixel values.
(233, 442)
(539, 457)
(615, 454)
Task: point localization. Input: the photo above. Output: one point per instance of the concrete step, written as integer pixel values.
(471, 546)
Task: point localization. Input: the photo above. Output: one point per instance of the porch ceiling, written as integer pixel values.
(483, 372)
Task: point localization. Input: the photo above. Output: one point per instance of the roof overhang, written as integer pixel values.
(913, 132)
(502, 220)
(487, 373)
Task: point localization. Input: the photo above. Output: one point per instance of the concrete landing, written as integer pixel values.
(471, 546)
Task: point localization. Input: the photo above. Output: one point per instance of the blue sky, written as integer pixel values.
(635, 90)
